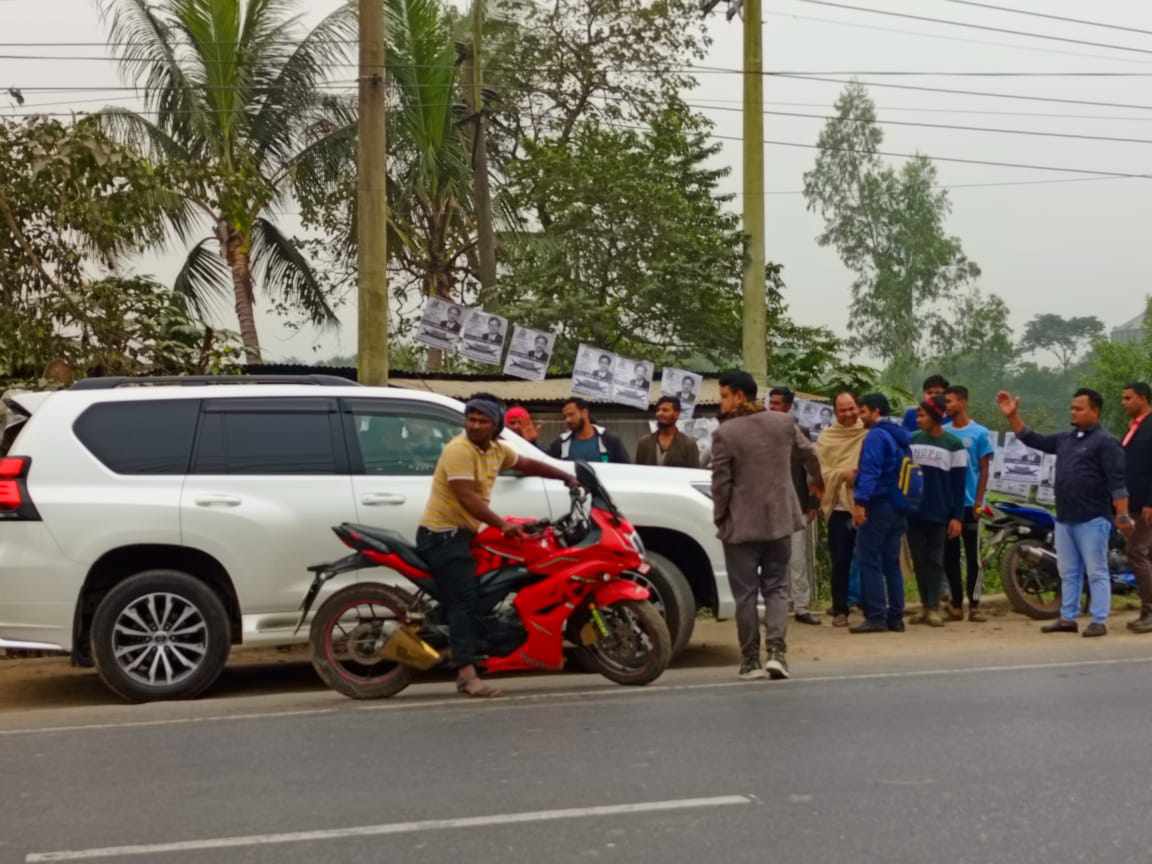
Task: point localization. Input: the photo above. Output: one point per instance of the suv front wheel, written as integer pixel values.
(161, 634)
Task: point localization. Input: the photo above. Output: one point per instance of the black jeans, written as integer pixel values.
(449, 556)
(926, 540)
(841, 543)
(970, 540)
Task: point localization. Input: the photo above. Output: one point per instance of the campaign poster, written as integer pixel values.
(1022, 464)
(484, 335)
(442, 324)
(685, 386)
(813, 417)
(701, 430)
(632, 382)
(529, 353)
(592, 375)
(1046, 491)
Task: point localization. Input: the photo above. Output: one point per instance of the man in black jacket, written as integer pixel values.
(585, 441)
(1137, 443)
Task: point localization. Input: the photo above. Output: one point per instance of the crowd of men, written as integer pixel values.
(770, 482)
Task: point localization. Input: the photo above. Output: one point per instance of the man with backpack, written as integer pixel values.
(888, 485)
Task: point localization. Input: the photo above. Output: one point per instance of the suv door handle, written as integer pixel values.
(383, 499)
(218, 501)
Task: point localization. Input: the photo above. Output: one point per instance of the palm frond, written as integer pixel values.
(148, 58)
(291, 88)
(285, 272)
(204, 281)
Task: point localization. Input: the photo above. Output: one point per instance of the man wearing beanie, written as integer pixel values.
(943, 462)
(458, 507)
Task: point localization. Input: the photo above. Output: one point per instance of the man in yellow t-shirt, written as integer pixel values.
(458, 507)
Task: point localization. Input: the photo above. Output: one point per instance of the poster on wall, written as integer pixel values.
(813, 417)
(529, 353)
(483, 337)
(701, 430)
(1046, 491)
(592, 375)
(685, 386)
(442, 324)
(1022, 464)
(632, 382)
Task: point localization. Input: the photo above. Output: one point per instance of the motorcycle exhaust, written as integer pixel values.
(408, 649)
(1038, 553)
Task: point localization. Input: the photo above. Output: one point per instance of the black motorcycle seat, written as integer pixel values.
(394, 542)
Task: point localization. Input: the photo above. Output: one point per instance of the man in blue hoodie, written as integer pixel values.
(879, 518)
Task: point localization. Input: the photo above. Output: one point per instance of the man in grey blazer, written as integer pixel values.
(756, 513)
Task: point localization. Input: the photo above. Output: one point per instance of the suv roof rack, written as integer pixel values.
(113, 383)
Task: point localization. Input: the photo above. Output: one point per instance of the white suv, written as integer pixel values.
(148, 529)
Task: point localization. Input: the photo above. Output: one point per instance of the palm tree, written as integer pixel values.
(229, 88)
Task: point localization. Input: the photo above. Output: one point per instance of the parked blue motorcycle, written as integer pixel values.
(1025, 536)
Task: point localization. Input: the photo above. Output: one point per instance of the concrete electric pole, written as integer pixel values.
(372, 200)
(755, 345)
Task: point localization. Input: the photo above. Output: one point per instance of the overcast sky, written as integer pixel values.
(1074, 248)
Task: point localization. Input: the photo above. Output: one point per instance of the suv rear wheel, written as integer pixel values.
(161, 634)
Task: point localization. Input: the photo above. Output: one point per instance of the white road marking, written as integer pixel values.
(391, 828)
(601, 694)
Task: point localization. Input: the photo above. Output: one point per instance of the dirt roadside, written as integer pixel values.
(43, 684)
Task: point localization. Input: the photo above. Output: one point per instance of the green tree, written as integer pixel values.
(229, 88)
(72, 204)
(639, 254)
(1065, 338)
(1112, 365)
(888, 227)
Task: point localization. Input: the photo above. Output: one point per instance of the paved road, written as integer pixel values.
(1016, 765)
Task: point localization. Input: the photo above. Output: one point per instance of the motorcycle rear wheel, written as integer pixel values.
(1031, 588)
(637, 648)
(347, 631)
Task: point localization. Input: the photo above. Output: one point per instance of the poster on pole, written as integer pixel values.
(813, 417)
(592, 374)
(1016, 468)
(529, 353)
(685, 386)
(484, 337)
(1046, 491)
(632, 382)
(442, 324)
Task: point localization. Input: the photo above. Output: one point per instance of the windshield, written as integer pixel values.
(600, 497)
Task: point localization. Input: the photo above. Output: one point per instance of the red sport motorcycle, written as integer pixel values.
(564, 581)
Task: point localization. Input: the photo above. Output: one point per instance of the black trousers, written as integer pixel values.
(926, 541)
(841, 546)
(969, 539)
(449, 556)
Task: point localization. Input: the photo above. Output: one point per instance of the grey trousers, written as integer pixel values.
(755, 570)
(799, 585)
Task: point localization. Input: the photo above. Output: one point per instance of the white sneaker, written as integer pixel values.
(750, 671)
(777, 667)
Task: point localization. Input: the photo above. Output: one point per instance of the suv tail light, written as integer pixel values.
(15, 504)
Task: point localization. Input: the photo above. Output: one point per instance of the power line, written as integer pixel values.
(1050, 17)
(988, 94)
(986, 27)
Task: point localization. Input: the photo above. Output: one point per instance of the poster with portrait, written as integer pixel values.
(1046, 491)
(685, 386)
(592, 375)
(442, 324)
(1022, 464)
(529, 353)
(813, 417)
(483, 337)
(632, 382)
(701, 430)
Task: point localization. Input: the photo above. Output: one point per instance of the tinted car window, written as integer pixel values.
(398, 442)
(150, 437)
(272, 437)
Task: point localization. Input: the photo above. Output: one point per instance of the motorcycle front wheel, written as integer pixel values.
(346, 637)
(636, 648)
(1032, 587)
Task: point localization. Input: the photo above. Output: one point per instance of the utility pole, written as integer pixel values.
(372, 200)
(755, 343)
(481, 190)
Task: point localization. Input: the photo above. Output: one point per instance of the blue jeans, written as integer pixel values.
(1082, 547)
(878, 551)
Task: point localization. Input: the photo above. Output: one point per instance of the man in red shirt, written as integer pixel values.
(1137, 441)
